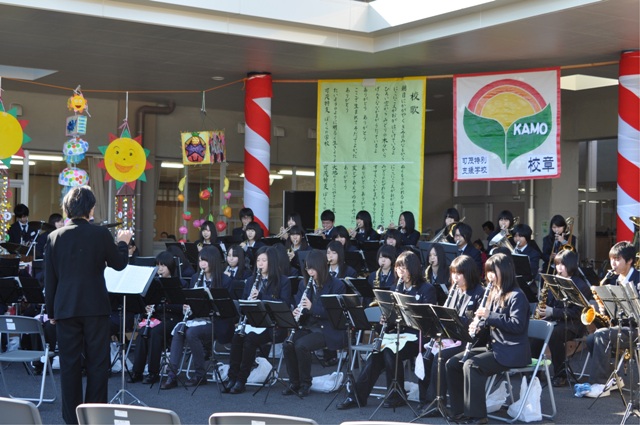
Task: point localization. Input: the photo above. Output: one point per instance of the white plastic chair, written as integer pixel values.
(98, 413)
(18, 412)
(236, 418)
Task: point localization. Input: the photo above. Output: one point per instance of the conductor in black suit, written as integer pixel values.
(462, 236)
(77, 298)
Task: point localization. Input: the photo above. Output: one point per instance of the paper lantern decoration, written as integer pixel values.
(186, 215)
(227, 211)
(72, 176)
(77, 103)
(205, 194)
(221, 226)
(227, 195)
(183, 230)
(74, 150)
(181, 197)
(11, 134)
(125, 160)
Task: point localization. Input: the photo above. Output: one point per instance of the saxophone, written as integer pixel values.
(376, 285)
(590, 315)
(542, 301)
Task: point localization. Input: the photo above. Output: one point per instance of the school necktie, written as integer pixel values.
(333, 274)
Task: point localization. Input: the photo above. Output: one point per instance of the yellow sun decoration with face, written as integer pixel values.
(125, 160)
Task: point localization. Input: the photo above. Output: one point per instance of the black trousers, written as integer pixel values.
(428, 386)
(297, 356)
(149, 350)
(376, 363)
(466, 382)
(77, 335)
(243, 354)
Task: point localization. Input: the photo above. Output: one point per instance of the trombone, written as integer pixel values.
(566, 246)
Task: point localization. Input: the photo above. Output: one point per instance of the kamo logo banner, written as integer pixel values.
(507, 125)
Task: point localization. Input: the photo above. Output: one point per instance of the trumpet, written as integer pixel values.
(240, 330)
(305, 294)
(284, 231)
(475, 322)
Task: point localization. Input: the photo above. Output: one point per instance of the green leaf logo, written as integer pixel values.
(523, 135)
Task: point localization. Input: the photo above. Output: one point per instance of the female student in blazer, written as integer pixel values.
(506, 315)
(266, 284)
(316, 332)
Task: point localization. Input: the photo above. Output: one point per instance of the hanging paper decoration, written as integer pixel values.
(205, 194)
(203, 147)
(125, 207)
(77, 103)
(72, 176)
(125, 160)
(221, 226)
(76, 125)
(217, 146)
(12, 135)
(5, 208)
(186, 215)
(74, 150)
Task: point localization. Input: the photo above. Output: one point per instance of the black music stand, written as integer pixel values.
(356, 259)
(190, 250)
(9, 266)
(438, 322)
(257, 316)
(10, 291)
(31, 290)
(565, 291)
(166, 290)
(317, 241)
(282, 317)
(345, 313)
(224, 308)
(390, 309)
(132, 280)
(616, 304)
(360, 286)
(369, 251)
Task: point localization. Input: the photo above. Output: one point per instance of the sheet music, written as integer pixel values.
(131, 280)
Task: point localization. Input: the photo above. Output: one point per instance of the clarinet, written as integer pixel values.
(476, 320)
(377, 343)
(427, 355)
(240, 330)
(305, 294)
(147, 326)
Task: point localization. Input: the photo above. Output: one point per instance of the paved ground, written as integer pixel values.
(196, 408)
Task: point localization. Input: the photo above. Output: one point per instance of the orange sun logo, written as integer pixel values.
(125, 160)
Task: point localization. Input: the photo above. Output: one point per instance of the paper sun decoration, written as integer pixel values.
(125, 160)
(77, 103)
(12, 135)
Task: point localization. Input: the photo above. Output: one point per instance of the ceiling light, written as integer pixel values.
(169, 164)
(38, 157)
(584, 82)
(21, 162)
(298, 173)
(217, 78)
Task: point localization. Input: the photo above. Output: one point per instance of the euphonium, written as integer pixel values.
(445, 232)
(240, 330)
(305, 294)
(476, 320)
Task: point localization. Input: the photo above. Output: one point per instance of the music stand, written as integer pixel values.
(359, 286)
(9, 266)
(370, 254)
(224, 308)
(317, 241)
(282, 317)
(190, 250)
(565, 291)
(166, 290)
(9, 290)
(438, 322)
(345, 312)
(522, 265)
(388, 303)
(132, 280)
(356, 260)
(631, 294)
(615, 302)
(257, 316)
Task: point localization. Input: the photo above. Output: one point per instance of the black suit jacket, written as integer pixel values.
(534, 258)
(75, 258)
(472, 252)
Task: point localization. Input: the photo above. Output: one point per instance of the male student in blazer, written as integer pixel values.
(77, 298)
(462, 237)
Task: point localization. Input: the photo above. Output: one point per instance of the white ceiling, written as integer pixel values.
(104, 53)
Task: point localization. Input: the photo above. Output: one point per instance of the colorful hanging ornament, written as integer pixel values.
(205, 194)
(5, 207)
(125, 160)
(221, 226)
(74, 150)
(181, 197)
(72, 176)
(186, 215)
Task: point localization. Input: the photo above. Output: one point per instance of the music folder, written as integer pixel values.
(132, 280)
(359, 286)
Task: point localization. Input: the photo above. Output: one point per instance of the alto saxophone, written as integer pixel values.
(590, 315)
(542, 302)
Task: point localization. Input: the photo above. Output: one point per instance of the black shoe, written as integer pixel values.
(304, 390)
(476, 421)
(194, 381)
(291, 390)
(134, 377)
(460, 418)
(228, 385)
(151, 378)
(330, 362)
(559, 381)
(392, 403)
(238, 388)
(348, 403)
(169, 383)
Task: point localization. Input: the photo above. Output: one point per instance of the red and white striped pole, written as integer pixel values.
(257, 146)
(628, 144)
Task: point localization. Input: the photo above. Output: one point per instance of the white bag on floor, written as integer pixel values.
(326, 383)
(532, 410)
(260, 372)
(412, 390)
(497, 398)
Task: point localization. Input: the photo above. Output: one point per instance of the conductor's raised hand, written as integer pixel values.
(124, 236)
